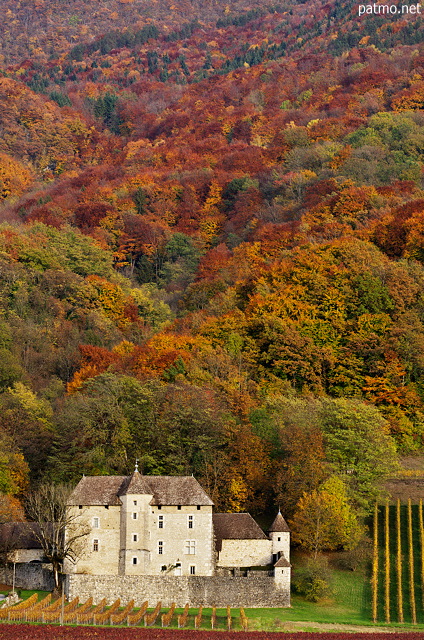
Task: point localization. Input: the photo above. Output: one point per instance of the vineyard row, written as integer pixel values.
(397, 580)
(46, 611)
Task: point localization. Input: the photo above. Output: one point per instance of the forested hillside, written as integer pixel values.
(212, 248)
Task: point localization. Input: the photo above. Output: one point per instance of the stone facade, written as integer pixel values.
(245, 553)
(252, 591)
(137, 539)
(104, 519)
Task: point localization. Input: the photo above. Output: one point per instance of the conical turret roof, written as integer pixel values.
(137, 485)
(279, 525)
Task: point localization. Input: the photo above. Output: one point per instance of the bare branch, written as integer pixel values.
(54, 526)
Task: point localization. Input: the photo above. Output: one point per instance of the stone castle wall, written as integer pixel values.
(106, 533)
(220, 591)
(29, 576)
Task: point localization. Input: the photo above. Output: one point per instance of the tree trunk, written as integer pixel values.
(58, 579)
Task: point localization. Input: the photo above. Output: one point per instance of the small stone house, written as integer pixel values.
(19, 543)
(22, 558)
(164, 526)
(241, 544)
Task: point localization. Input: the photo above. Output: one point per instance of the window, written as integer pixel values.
(80, 506)
(96, 523)
(159, 507)
(106, 506)
(135, 537)
(198, 507)
(179, 507)
(190, 522)
(279, 539)
(192, 570)
(190, 547)
(135, 503)
(160, 547)
(95, 545)
(160, 522)
(134, 515)
(163, 567)
(134, 560)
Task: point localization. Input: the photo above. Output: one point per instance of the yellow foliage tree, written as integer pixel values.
(15, 177)
(324, 520)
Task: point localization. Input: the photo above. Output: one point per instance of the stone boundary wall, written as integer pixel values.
(28, 575)
(220, 591)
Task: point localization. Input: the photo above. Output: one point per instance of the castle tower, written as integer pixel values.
(279, 534)
(135, 496)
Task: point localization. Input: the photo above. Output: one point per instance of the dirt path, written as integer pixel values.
(328, 626)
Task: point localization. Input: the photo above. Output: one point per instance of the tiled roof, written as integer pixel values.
(166, 490)
(235, 526)
(177, 490)
(282, 562)
(20, 535)
(97, 490)
(279, 525)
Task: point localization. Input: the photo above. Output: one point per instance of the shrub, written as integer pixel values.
(313, 580)
(356, 558)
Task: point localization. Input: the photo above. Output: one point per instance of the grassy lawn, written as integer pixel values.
(349, 604)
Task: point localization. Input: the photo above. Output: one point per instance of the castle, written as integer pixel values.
(160, 530)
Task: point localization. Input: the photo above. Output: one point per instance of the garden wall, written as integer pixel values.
(28, 575)
(220, 591)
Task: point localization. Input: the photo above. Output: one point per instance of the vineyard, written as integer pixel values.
(397, 579)
(86, 613)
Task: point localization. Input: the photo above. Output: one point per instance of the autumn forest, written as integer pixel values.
(212, 249)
